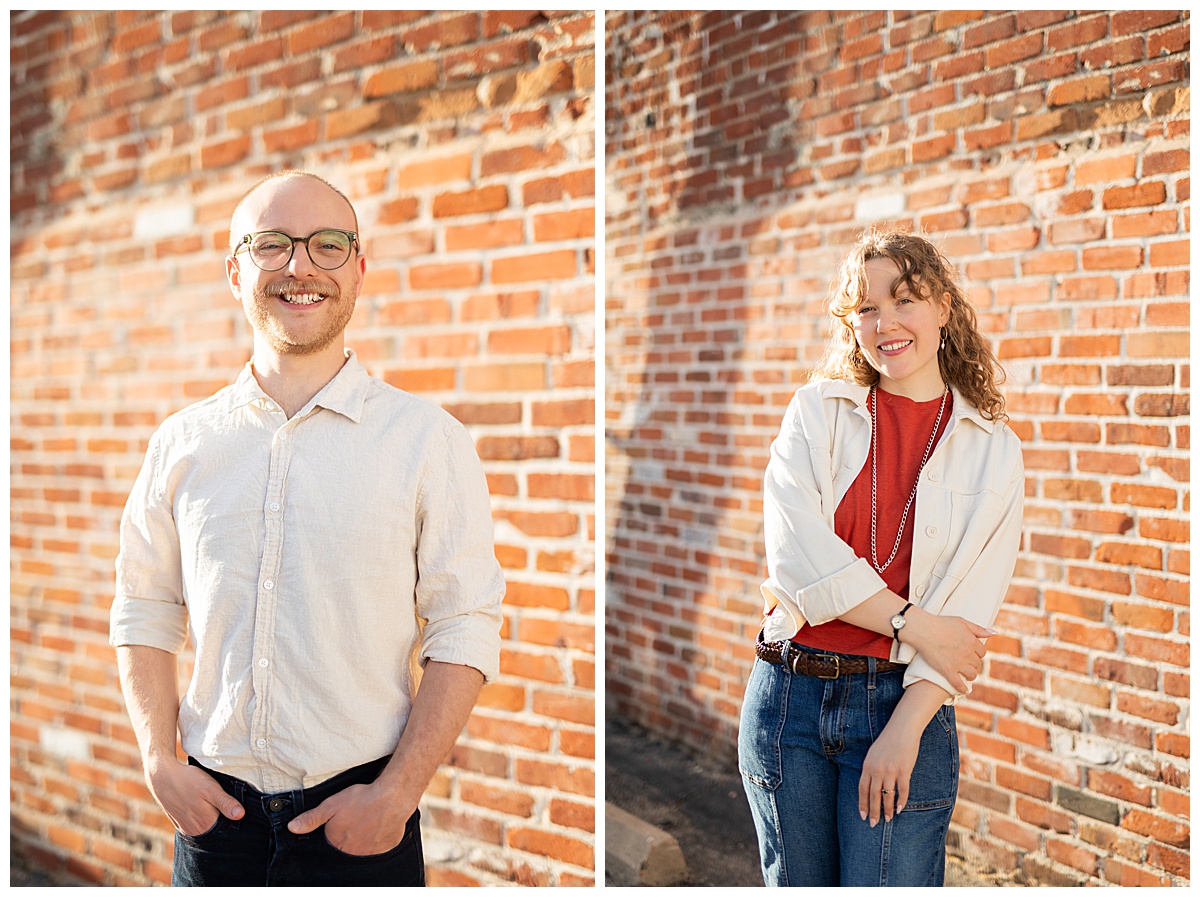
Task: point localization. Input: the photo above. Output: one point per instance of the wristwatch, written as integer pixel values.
(898, 621)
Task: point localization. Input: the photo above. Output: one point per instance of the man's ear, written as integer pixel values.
(234, 275)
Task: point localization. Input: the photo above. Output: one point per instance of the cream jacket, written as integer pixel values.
(966, 521)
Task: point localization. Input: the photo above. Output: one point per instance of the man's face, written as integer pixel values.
(300, 309)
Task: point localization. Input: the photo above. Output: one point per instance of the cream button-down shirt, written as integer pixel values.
(966, 521)
(308, 559)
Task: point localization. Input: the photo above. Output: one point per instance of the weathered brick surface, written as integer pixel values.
(1045, 152)
(466, 142)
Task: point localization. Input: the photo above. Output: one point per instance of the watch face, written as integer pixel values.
(898, 622)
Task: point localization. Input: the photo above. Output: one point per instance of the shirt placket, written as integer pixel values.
(267, 606)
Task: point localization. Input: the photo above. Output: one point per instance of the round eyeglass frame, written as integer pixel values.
(246, 240)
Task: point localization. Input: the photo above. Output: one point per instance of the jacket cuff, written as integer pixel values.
(919, 669)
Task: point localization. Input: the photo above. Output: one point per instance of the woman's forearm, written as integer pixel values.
(920, 702)
(951, 645)
(875, 614)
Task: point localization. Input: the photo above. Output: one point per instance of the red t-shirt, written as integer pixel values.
(904, 428)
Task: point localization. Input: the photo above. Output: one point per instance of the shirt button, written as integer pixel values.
(269, 584)
(263, 662)
(262, 742)
(274, 506)
(283, 435)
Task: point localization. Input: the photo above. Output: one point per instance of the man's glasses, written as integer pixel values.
(272, 250)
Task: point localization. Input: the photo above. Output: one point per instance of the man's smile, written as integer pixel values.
(300, 294)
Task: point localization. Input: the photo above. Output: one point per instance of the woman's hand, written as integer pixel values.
(883, 786)
(953, 646)
(889, 762)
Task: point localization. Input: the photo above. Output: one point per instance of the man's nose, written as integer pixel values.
(301, 263)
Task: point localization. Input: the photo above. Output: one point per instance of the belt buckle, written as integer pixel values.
(837, 665)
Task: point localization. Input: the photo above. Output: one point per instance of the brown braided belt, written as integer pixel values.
(823, 666)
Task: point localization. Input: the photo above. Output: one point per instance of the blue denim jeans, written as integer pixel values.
(258, 850)
(801, 747)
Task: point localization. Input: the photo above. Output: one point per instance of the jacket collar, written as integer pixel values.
(345, 394)
(963, 410)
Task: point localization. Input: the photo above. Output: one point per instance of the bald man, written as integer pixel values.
(319, 535)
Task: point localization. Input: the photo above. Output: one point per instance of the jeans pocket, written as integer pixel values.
(760, 732)
(214, 829)
(934, 781)
(406, 840)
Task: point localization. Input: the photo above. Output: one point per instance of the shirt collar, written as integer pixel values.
(963, 410)
(345, 394)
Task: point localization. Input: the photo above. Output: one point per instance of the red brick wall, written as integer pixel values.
(466, 141)
(1047, 153)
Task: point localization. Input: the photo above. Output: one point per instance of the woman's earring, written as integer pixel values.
(943, 340)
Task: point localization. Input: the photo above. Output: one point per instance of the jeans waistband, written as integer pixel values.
(297, 801)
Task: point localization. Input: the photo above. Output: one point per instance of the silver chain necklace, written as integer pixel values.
(875, 478)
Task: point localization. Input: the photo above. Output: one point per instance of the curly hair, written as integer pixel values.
(967, 363)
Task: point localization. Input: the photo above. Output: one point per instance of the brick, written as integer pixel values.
(405, 78)
(571, 225)
(331, 29)
(488, 235)
(1145, 193)
(574, 851)
(519, 159)
(1109, 168)
(471, 202)
(547, 265)
(536, 341)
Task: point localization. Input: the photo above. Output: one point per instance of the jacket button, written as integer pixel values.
(931, 531)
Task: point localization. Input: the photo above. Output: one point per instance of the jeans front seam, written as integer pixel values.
(884, 853)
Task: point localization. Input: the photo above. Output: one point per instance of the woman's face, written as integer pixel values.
(899, 335)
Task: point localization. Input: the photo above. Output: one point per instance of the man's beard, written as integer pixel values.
(271, 328)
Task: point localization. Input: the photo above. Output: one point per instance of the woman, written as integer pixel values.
(892, 511)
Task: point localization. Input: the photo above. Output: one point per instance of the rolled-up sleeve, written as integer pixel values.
(977, 594)
(814, 575)
(460, 586)
(148, 607)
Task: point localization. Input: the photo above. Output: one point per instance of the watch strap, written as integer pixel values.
(895, 631)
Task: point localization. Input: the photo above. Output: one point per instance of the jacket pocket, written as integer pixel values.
(955, 528)
(974, 517)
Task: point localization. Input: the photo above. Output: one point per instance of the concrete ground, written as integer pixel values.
(702, 805)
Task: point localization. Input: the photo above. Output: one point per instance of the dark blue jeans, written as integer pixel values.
(801, 747)
(258, 850)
